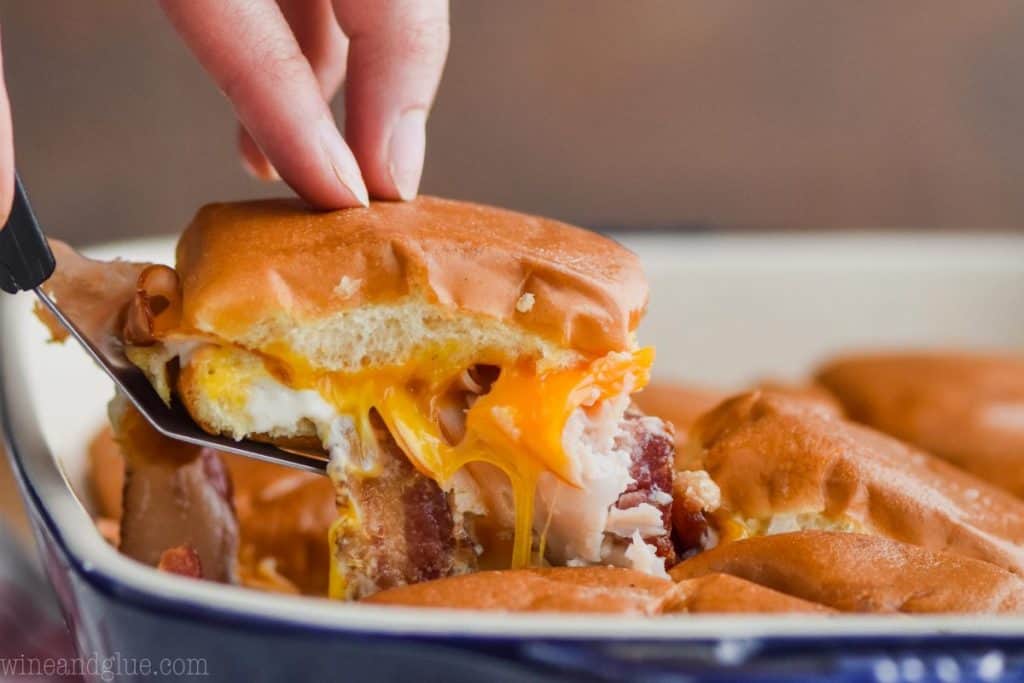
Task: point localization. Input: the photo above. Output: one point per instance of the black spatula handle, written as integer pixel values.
(25, 257)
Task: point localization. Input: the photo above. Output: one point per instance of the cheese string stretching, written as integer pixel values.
(280, 63)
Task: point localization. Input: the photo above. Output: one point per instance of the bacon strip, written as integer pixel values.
(403, 531)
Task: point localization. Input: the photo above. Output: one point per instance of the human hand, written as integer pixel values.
(279, 63)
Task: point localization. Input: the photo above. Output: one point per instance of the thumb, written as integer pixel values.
(6, 151)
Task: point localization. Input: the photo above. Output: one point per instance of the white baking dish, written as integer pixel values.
(724, 310)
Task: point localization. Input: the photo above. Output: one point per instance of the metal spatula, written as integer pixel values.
(26, 262)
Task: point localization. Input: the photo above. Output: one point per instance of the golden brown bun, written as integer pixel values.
(592, 589)
(813, 395)
(678, 403)
(556, 589)
(967, 408)
(725, 594)
(246, 265)
(859, 573)
(776, 459)
(682, 404)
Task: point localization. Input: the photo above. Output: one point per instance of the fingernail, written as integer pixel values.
(405, 152)
(264, 171)
(344, 165)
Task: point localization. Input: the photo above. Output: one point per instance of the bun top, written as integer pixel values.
(555, 589)
(592, 589)
(724, 594)
(859, 573)
(773, 456)
(249, 264)
(683, 404)
(679, 404)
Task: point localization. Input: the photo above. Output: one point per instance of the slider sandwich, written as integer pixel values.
(776, 465)
(467, 370)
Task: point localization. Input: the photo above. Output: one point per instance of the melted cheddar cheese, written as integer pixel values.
(517, 426)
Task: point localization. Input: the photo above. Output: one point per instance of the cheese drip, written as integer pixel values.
(517, 426)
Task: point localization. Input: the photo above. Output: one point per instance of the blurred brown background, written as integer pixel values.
(734, 114)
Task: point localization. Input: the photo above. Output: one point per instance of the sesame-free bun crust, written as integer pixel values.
(963, 407)
(555, 589)
(726, 594)
(784, 461)
(255, 272)
(682, 404)
(592, 589)
(678, 403)
(860, 573)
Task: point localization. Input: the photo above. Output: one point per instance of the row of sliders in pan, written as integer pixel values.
(474, 378)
